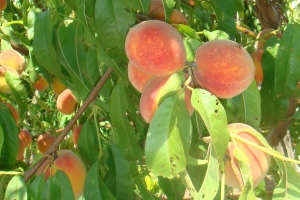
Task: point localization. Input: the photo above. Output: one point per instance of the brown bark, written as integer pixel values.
(268, 13)
(69, 126)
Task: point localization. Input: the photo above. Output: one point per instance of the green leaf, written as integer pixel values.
(4, 180)
(122, 128)
(16, 189)
(117, 177)
(168, 9)
(225, 15)
(273, 108)
(172, 188)
(250, 110)
(58, 187)
(10, 146)
(94, 188)
(35, 189)
(211, 181)
(190, 54)
(42, 45)
(72, 56)
(288, 186)
(112, 22)
(216, 35)
(287, 71)
(88, 145)
(32, 14)
(214, 117)
(1, 139)
(169, 136)
(18, 90)
(145, 194)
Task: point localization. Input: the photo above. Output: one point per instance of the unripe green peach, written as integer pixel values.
(224, 68)
(259, 161)
(137, 77)
(155, 47)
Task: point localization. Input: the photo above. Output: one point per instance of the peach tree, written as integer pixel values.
(149, 99)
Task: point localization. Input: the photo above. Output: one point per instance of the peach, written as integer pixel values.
(224, 68)
(3, 5)
(57, 86)
(192, 2)
(14, 112)
(263, 36)
(151, 96)
(21, 151)
(45, 141)
(25, 137)
(176, 18)
(256, 57)
(66, 102)
(68, 162)
(155, 47)
(76, 133)
(137, 77)
(155, 4)
(4, 87)
(12, 59)
(41, 84)
(259, 161)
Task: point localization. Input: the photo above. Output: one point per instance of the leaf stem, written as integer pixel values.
(265, 149)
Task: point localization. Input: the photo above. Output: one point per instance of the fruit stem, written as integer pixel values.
(264, 149)
(188, 183)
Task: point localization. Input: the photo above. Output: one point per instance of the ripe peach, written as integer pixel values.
(41, 84)
(151, 96)
(76, 133)
(57, 86)
(256, 57)
(137, 77)
(259, 161)
(3, 5)
(71, 165)
(25, 137)
(263, 36)
(45, 141)
(176, 18)
(192, 2)
(224, 68)
(155, 47)
(155, 4)
(66, 102)
(21, 151)
(4, 88)
(14, 112)
(12, 59)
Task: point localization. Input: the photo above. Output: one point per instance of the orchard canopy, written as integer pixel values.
(149, 99)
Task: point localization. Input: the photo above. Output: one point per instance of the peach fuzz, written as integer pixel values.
(41, 84)
(259, 161)
(12, 59)
(155, 4)
(263, 36)
(45, 141)
(57, 86)
(256, 57)
(137, 77)
(14, 112)
(224, 68)
(151, 96)
(155, 47)
(176, 18)
(25, 137)
(71, 165)
(3, 5)
(66, 102)
(76, 133)
(4, 87)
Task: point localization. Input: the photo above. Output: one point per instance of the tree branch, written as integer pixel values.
(267, 13)
(69, 126)
(278, 133)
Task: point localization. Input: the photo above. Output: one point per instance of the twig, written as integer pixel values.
(246, 31)
(69, 126)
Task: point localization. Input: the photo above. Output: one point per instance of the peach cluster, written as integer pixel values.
(155, 51)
